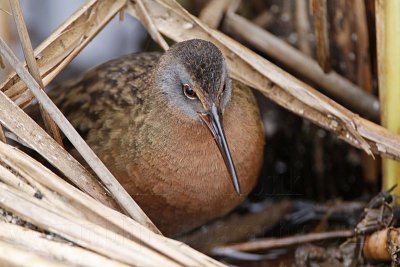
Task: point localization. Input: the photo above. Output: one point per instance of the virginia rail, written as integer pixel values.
(170, 128)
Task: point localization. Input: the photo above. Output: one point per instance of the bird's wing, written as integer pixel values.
(112, 89)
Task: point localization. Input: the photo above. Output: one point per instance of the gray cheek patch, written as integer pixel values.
(171, 87)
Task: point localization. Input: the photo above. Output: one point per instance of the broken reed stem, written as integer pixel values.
(118, 192)
(319, 13)
(32, 65)
(274, 243)
(383, 246)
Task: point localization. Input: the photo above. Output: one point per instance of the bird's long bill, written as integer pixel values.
(213, 121)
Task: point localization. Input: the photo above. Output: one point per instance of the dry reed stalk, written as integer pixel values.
(342, 32)
(25, 183)
(303, 27)
(331, 83)
(118, 192)
(388, 42)
(213, 12)
(149, 24)
(264, 19)
(364, 78)
(319, 13)
(364, 70)
(273, 82)
(6, 32)
(72, 199)
(11, 179)
(32, 66)
(64, 44)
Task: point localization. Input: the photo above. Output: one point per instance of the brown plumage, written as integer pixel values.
(135, 115)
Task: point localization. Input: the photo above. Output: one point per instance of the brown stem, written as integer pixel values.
(319, 12)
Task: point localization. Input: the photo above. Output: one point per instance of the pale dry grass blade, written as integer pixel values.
(11, 179)
(11, 256)
(80, 231)
(117, 191)
(32, 65)
(64, 44)
(22, 180)
(39, 243)
(275, 83)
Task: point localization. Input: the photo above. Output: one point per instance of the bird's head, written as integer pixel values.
(194, 76)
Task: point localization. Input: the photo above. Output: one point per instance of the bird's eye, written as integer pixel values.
(189, 92)
(223, 88)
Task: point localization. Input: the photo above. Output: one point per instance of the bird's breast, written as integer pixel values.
(181, 174)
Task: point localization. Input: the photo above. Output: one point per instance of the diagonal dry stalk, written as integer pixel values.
(32, 66)
(274, 82)
(118, 192)
(27, 130)
(63, 45)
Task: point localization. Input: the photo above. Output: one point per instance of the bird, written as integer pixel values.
(181, 137)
